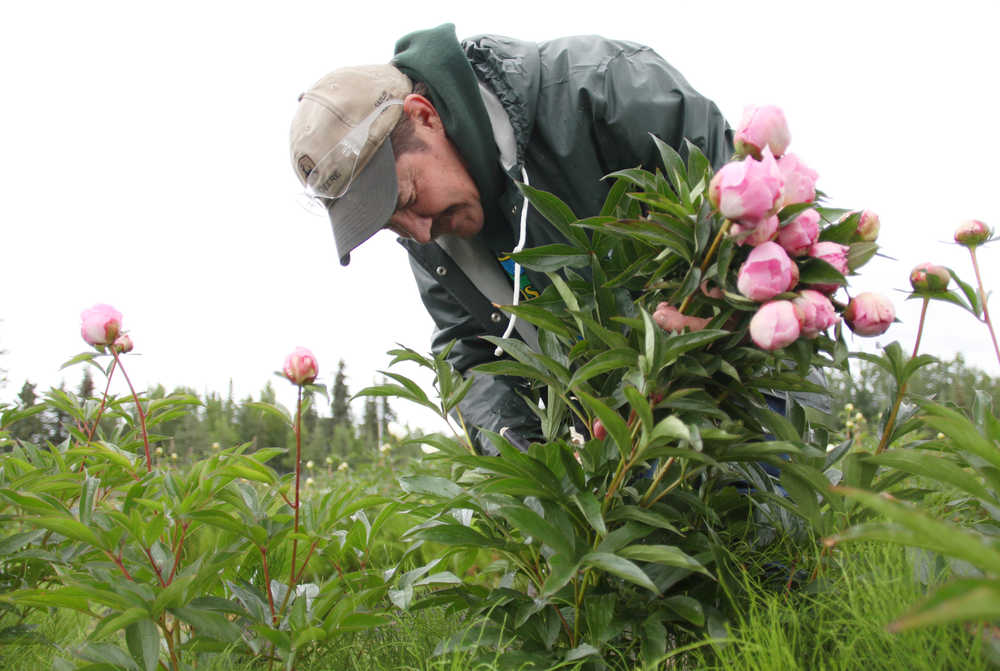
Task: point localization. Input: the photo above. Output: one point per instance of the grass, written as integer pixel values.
(837, 624)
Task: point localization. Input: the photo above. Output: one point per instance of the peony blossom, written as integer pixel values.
(747, 190)
(762, 126)
(775, 325)
(869, 314)
(100, 325)
(766, 273)
(835, 254)
(928, 277)
(799, 235)
(598, 430)
(671, 320)
(301, 367)
(868, 226)
(800, 180)
(755, 235)
(818, 313)
(972, 233)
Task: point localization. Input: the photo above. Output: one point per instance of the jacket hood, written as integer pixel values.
(435, 58)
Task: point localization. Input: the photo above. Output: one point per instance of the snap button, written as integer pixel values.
(496, 317)
(441, 271)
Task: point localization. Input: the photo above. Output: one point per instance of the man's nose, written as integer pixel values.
(412, 226)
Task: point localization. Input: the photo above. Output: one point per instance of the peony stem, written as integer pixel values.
(138, 408)
(100, 410)
(982, 297)
(298, 474)
(883, 443)
(708, 258)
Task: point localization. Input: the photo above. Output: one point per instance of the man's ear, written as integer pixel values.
(421, 111)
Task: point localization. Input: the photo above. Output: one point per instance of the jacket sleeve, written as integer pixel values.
(492, 402)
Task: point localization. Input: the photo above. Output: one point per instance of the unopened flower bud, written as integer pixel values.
(310, 464)
(972, 233)
(100, 325)
(818, 313)
(868, 226)
(343, 466)
(766, 273)
(836, 255)
(159, 451)
(859, 417)
(799, 181)
(849, 407)
(123, 344)
(775, 325)
(309, 482)
(329, 461)
(928, 277)
(799, 235)
(671, 320)
(940, 436)
(173, 456)
(215, 446)
(762, 126)
(869, 314)
(598, 430)
(747, 190)
(301, 367)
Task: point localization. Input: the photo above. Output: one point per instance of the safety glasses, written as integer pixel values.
(333, 174)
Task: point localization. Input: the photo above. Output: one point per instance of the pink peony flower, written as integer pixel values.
(760, 127)
(766, 273)
(671, 320)
(598, 431)
(775, 325)
(799, 235)
(747, 190)
(869, 314)
(746, 234)
(301, 367)
(100, 324)
(972, 233)
(818, 313)
(868, 226)
(123, 344)
(928, 277)
(835, 254)
(800, 180)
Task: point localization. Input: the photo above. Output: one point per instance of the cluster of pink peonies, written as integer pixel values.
(750, 191)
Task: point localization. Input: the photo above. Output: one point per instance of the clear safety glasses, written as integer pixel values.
(334, 173)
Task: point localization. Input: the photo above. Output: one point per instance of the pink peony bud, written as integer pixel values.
(868, 226)
(869, 314)
(123, 344)
(100, 324)
(766, 273)
(835, 254)
(775, 325)
(800, 180)
(972, 233)
(818, 313)
(301, 367)
(598, 430)
(747, 190)
(746, 234)
(671, 320)
(761, 127)
(799, 235)
(928, 277)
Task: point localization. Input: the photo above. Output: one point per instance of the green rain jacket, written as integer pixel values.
(578, 109)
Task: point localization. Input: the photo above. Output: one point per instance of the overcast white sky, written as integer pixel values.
(144, 163)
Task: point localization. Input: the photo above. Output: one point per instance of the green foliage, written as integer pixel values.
(169, 562)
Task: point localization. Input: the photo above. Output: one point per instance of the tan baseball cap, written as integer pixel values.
(341, 152)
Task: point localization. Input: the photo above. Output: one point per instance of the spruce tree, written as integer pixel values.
(340, 407)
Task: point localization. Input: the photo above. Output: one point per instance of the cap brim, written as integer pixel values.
(366, 207)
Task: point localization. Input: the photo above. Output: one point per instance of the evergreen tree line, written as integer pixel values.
(871, 390)
(217, 422)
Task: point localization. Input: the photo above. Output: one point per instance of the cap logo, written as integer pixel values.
(381, 99)
(306, 165)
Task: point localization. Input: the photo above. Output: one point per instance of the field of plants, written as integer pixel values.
(711, 486)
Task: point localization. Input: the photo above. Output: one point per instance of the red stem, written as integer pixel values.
(138, 407)
(177, 553)
(982, 298)
(267, 586)
(100, 410)
(298, 473)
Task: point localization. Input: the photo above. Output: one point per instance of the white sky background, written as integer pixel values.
(144, 163)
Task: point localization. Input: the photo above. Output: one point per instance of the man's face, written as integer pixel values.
(437, 195)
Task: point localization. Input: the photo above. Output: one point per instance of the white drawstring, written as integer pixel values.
(517, 266)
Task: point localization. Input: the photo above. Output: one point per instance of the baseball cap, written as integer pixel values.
(341, 152)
